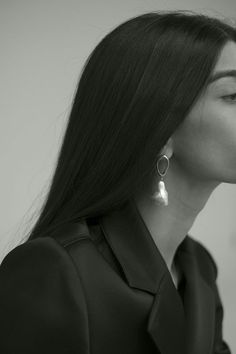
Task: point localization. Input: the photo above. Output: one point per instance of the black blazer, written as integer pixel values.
(102, 287)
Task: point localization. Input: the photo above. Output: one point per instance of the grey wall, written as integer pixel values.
(43, 46)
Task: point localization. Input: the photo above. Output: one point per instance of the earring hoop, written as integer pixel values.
(165, 157)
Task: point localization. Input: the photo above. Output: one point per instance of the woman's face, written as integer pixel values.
(205, 144)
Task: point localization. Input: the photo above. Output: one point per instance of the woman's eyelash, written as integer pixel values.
(230, 96)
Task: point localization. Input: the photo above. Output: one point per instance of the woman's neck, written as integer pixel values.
(169, 225)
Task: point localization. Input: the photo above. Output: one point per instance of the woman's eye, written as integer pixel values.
(231, 97)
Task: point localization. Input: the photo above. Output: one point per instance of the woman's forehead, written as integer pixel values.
(227, 58)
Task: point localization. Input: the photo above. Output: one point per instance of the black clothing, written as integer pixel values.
(102, 287)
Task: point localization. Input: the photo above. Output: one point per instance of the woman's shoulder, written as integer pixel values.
(39, 292)
(44, 251)
(35, 268)
(40, 266)
(33, 274)
(31, 256)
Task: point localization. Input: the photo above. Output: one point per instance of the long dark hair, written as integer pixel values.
(135, 89)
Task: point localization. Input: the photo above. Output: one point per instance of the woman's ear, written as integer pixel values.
(168, 148)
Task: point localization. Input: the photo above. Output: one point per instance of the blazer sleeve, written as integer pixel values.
(220, 346)
(42, 304)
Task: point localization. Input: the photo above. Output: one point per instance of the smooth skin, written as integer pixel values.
(202, 155)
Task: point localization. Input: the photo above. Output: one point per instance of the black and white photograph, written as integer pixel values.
(118, 177)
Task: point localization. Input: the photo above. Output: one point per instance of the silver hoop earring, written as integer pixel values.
(161, 195)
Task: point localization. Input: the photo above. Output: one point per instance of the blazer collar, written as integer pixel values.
(132, 244)
(173, 326)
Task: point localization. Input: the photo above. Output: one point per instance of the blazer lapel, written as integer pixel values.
(199, 302)
(145, 269)
(166, 323)
(173, 326)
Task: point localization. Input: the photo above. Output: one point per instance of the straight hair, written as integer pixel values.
(135, 89)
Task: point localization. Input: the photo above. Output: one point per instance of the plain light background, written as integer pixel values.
(43, 47)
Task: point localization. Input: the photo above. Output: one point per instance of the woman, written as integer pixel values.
(109, 266)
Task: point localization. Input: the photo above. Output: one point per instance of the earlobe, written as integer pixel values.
(168, 148)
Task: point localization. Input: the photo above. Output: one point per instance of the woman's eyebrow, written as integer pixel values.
(220, 74)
